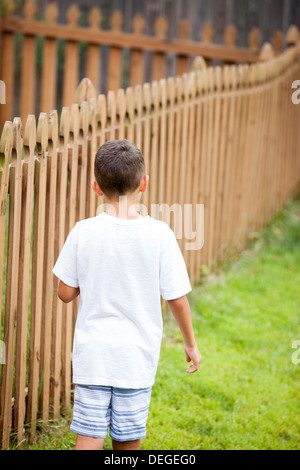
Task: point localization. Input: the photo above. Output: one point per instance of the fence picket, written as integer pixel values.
(6, 146)
(46, 327)
(40, 179)
(171, 139)
(28, 168)
(60, 221)
(146, 141)
(11, 299)
(6, 143)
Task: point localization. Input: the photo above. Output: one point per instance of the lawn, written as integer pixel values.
(246, 393)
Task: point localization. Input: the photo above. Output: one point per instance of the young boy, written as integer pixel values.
(120, 263)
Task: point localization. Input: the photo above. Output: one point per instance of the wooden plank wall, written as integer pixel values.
(226, 137)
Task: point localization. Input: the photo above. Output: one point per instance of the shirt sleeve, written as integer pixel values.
(66, 265)
(173, 277)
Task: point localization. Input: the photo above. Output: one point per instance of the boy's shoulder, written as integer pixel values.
(158, 226)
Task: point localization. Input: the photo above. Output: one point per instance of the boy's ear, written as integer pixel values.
(144, 183)
(96, 188)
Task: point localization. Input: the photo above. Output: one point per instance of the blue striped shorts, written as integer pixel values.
(123, 410)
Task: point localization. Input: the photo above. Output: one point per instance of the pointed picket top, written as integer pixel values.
(42, 135)
(138, 102)
(130, 103)
(207, 33)
(292, 36)
(277, 41)
(84, 117)
(184, 29)
(74, 121)
(29, 134)
(210, 83)
(17, 137)
(243, 72)
(138, 24)
(258, 72)
(233, 77)
(198, 64)
(254, 39)
(130, 113)
(64, 125)
(192, 84)
(92, 112)
(217, 78)
(116, 21)
(73, 15)
(121, 110)
(226, 77)
(230, 35)
(146, 96)
(53, 128)
(6, 143)
(230, 77)
(155, 94)
(51, 12)
(85, 91)
(171, 90)
(178, 89)
(267, 52)
(161, 27)
(101, 113)
(162, 86)
(111, 110)
(95, 18)
(29, 9)
(251, 74)
(185, 86)
(262, 70)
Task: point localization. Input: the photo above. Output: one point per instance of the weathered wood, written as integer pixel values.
(60, 221)
(40, 179)
(6, 146)
(49, 260)
(11, 298)
(24, 273)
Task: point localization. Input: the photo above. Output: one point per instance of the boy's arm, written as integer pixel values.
(180, 308)
(67, 293)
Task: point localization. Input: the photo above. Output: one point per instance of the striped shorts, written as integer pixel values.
(123, 410)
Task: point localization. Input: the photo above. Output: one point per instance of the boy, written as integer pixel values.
(120, 263)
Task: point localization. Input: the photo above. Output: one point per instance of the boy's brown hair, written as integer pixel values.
(119, 168)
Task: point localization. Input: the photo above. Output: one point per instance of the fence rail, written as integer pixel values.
(37, 81)
(226, 137)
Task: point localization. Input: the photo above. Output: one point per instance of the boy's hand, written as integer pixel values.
(192, 354)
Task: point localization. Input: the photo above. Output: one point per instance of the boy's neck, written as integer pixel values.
(123, 208)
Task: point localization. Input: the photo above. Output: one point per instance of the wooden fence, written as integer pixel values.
(226, 137)
(41, 60)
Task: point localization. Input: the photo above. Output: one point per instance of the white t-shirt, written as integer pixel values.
(121, 266)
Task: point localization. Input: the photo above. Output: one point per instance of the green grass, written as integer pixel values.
(246, 393)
